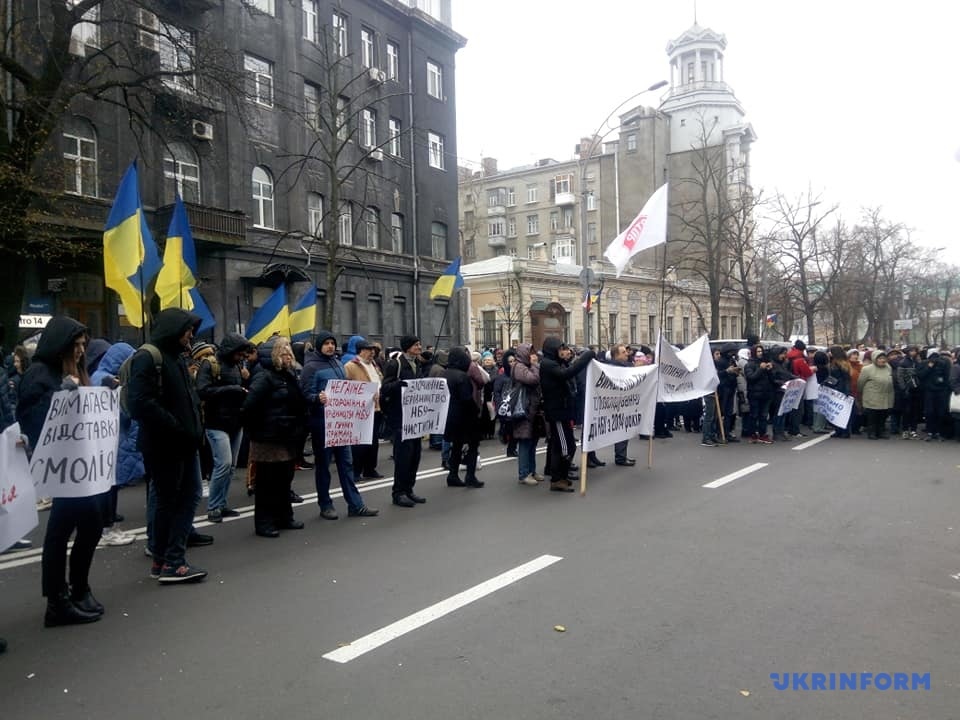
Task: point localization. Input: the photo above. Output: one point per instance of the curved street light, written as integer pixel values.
(582, 161)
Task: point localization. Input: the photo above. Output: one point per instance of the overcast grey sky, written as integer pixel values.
(859, 99)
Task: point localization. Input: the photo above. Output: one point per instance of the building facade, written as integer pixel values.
(554, 218)
(253, 169)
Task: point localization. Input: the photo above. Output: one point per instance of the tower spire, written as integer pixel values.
(694, 12)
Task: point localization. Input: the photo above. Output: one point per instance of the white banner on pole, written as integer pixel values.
(18, 499)
(620, 402)
(425, 404)
(834, 406)
(792, 395)
(76, 455)
(348, 413)
(686, 374)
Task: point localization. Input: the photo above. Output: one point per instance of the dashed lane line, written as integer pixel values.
(719, 482)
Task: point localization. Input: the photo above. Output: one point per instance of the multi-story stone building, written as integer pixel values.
(251, 171)
(556, 217)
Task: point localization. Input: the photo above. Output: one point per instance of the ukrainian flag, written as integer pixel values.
(130, 258)
(177, 281)
(303, 315)
(448, 283)
(272, 317)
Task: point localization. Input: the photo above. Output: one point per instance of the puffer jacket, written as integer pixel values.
(760, 381)
(222, 392)
(129, 458)
(559, 402)
(934, 375)
(168, 410)
(798, 364)
(875, 387)
(318, 370)
(275, 411)
(464, 412)
(527, 374)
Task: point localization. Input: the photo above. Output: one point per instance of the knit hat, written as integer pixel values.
(800, 345)
(408, 341)
(202, 350)
(475, 356)
(933, 353)
(486, 355)
(852, 351)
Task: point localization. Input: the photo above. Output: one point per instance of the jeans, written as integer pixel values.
(175, 489)
(710, 429)
(526, 457)
(321, 472)
(224, 447)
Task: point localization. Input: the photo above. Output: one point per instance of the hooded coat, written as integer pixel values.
(44, 377)
(798, 363)
(129, 459)
(222, 392)
(463, 415)
(352, 345)
(875, 387)
(318, 369)
(527, 374)
(559, 400)
(167, 408)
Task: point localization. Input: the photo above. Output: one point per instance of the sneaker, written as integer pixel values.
(905, 435)
(115, 538)
(539, 478)
(765, 440)
(363, 512)
(215, 516)
(708, 443)
(155, 569)
(182, 574)
(229, 512)
(780, 437)
(304, 464)
(44, 504)
(529, 480)
(754, 439)
(196, 539)
(561, 486)
(372, 476)
(914, 435)
(329, 514)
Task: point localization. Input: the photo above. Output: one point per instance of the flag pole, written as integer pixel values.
(446, 309)
(723, 435)
(143, 313)
(240, 328)
(583, 467)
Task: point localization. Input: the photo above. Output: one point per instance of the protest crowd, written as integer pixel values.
(191, 413)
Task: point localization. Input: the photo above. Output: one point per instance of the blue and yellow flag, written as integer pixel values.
(303, 315)
(130, 258)
(177, 281)
(272, 317)
(448, 283)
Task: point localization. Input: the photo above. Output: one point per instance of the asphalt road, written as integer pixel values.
(677, 600)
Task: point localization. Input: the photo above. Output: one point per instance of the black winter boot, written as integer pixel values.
(61, 610)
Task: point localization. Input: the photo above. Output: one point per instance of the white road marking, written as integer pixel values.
(734, 475)
(811, 443)
(384, 635)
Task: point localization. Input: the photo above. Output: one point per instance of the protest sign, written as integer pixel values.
(792, 395)
(686, 374)
(813, 388)
(425, 405)
(348, 413)
(76, 455)
(834, 406)
(620, 402)
(18, 499)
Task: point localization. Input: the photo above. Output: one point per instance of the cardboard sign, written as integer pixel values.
(348, 413)
(425, 404)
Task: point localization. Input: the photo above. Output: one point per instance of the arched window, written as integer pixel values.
(653, 305)
(262, 198)
(371, 219)
(79, 157)
(181, 173)
(613, 299)
(633, 302)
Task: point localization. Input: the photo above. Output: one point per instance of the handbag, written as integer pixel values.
(954, 404)
(520, 404)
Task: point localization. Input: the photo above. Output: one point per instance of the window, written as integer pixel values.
(562, 183)
(396, 232)
(311, 20)
(686, 331)
(531, 194)
(511, 197)
(690, 76)
(79, 157)
(438, 240)
(668, 330)
(434, 80)
(85, 34)
(568, 217)
(368, 55)
(374, 315)
(264, 6)
(393, 132)
(533, 252)
(554, 220)
(262, 198)
(511, 228)
(369, 127)
(723, 326)
(533, 224)
(435, 150)
(563, 251)
(315, 214)
(181, 173)
(512, 252)
(733, 327)
(651, 328)
(311, 106)
(488, 320)
(340, 34)
(371, 221)
(632, 142)
(348, 312)
(343, 120)
(591, 232)
(633, 328)
(175, 46)
(345, 223)
(260, 81)
(612, 327)
(393, 61)
(400, 321)
(591, 201)
(495, 228)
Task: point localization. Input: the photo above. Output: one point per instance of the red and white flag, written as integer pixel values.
(647, 230)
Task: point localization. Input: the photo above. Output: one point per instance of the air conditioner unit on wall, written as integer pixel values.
(376, 155)
(202, 130)
(376, 75)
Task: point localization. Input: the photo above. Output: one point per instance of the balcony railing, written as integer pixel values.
(563, 199)
(211, 224)
(497, 241)
(496, 210)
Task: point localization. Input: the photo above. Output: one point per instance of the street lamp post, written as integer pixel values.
(582, 161)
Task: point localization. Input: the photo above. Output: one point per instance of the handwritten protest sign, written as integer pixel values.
(76, 455)
(348, 414)
(792, 395)
(18, 500)
(686, 374)
(834, 406)
(620, 402)
(425, 404)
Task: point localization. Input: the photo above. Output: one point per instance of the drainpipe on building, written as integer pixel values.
(413, 190)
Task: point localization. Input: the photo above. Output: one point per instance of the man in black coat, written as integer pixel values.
(560, 409)
(406, 453)
(168, 409)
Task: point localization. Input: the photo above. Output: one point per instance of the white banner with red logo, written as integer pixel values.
(647, 230)
(18, 499)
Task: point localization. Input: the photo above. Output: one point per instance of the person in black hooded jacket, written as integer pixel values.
(463, 419)
(560, 409)
(168, 410)
(59, 363)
